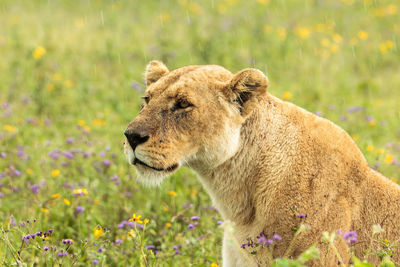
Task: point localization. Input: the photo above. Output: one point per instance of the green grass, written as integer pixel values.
(325, 56)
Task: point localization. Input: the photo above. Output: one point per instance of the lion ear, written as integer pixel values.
(154, 71)
(245, 88)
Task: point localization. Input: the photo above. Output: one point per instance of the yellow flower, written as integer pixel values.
(98, 122)
(45, 211)
(355, 137)
(222, 8)
(302, 32)
(281, 33)
(337, 38)
(380, 151)
(394, 179)
(81, 123)
(136, 218)
(10, 128)
(55, 196)
(57, 77)
(146, 221)
(50, 87)
(68, 84)
(372, 123)
(168, 225)
(67, 202)
(263, 2)
(55, 173)
(325, 42)
(214, 265)
(363, 35)
(389, 159)
(334, 48)
(370, 148)
(39, 52)
(286, 95)
(166, 209)
(29, 171)
(172, 193)
(97, 231)
(80, 191)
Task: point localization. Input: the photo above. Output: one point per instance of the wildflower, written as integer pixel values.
(79, 209)
(68, 83)
(35, 188)
(67, 202)
(68, 154)
(98, 231)
(350, 237)
(81, 123)
(302, 32)
(55, 173)
(80, 192)
(67, 241)
(214, 265)
(389, 159)
(10, 128)
(276, 237)
(172, 193)
(286, 95)
(95, 262)
(146, 221)
(56, 196)
(380, 151)
(106, 162)
(136, 218)
(39, 52)
(302, 216)
(62, 254)
(190, 226)
(150, 247)
(46, 248)
(3, 155)
(167, 224)
(281, 31)
(220, 222)
(195, 218)
(100, 250)
(370, 148)
(98, 122)
(69, 140)
(363, 35)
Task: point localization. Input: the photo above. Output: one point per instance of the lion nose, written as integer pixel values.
(135, 137)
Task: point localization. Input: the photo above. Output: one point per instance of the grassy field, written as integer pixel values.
(71, 77)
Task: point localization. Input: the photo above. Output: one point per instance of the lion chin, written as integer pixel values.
(147, 176)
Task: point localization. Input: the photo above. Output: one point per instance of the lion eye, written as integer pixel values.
(182, 104)
(146, 99)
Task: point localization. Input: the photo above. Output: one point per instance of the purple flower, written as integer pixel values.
(68, 241)
(54, 154)
(46, 248)
(350, 237)
(95, 262)
(102, 154)
(190, 226)
(150, 247)
(262, 240)
(339, 232)
(62, 254)
(51, 231)
(86, 154)
(106, 162)
(354, 109)
(136, 86)
(35, 188)
(79, 209)
(220, 222)
(195, 218)
(302, 216)
(68, 154)
(276, 237)
(3, 155)
(343, 118)
(118, 241)
(243, 245)
(100, 250)
(69, 140)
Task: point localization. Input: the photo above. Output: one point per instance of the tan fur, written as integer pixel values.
(262, 160)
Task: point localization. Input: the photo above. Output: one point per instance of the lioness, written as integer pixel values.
(263, 161)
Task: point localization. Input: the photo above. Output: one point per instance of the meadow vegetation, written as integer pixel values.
(71, 78)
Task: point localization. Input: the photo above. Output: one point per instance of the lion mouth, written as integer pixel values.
(169, 169)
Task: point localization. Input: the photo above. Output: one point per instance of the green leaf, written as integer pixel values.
(358, 263)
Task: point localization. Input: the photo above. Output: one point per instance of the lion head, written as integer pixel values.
(191, 116)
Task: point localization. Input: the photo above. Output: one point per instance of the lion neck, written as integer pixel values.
(234, 185)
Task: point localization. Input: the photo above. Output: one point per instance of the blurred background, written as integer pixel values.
(71, 77)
